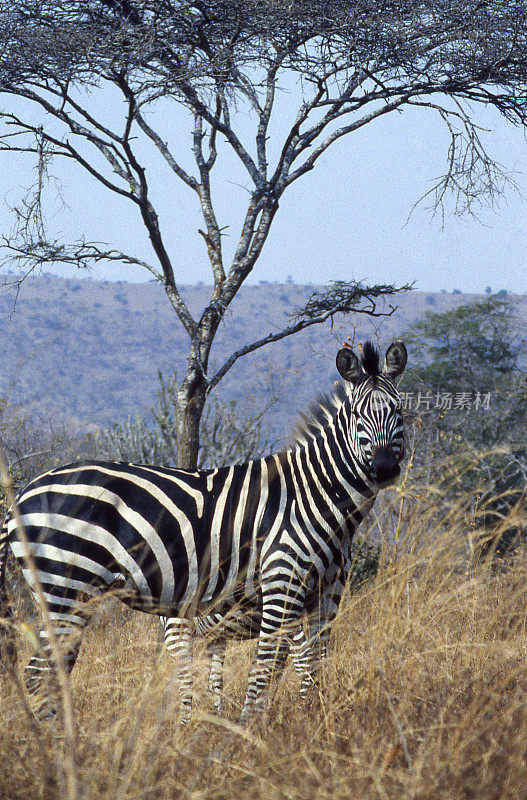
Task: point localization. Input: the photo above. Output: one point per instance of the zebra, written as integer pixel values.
(273, 532)
(217, 629)
(244, 623)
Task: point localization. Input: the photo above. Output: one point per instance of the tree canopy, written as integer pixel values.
(471, 345)
(472, 351)
(221, 67)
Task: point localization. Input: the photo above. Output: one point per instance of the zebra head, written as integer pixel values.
(374, 418)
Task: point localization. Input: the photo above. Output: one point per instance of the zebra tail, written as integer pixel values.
(7, 643)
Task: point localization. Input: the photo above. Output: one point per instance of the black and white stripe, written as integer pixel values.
(217, 629)
(273, 531)
(241, 623)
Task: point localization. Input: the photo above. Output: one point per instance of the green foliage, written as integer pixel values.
(466, 346)
(365, 561)
(476, 349)
(474, 455)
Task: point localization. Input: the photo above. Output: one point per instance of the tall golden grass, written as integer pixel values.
(423, 695)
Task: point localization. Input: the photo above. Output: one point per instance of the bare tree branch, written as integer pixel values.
(340, 297)
(472, 176)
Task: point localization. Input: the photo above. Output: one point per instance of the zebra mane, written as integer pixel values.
(319, 413)
(370, 359)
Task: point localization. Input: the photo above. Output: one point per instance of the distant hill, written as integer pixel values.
(89, 351)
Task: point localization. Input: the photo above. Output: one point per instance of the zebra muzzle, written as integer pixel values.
(385, 465)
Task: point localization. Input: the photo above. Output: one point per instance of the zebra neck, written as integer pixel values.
(337, 485)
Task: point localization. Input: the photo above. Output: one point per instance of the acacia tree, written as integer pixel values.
(221, 63)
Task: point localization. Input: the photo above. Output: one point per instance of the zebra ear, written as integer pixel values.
(395, 360)
(348, 364)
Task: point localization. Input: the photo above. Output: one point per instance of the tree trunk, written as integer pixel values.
(191, 401)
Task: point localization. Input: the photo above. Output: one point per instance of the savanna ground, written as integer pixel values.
(423, 695)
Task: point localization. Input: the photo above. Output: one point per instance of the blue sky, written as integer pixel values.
(348, 218)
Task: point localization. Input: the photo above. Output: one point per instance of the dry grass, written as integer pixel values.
(423, 695)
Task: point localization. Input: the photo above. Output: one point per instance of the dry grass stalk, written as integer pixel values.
(423, 695)
(69, 765)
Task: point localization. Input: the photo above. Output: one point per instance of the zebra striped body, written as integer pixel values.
(244, 623)
(274, 531)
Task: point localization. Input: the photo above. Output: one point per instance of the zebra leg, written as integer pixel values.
(307, 653)
(280, 616)
(40, 676)
(178, 641)
(305, 659)
(216, 653)
(269, 662)
(218, 628)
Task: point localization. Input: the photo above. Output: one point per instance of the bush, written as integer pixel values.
(226, 435)
(32, 444)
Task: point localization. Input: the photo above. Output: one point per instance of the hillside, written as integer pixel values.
(89, 351)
